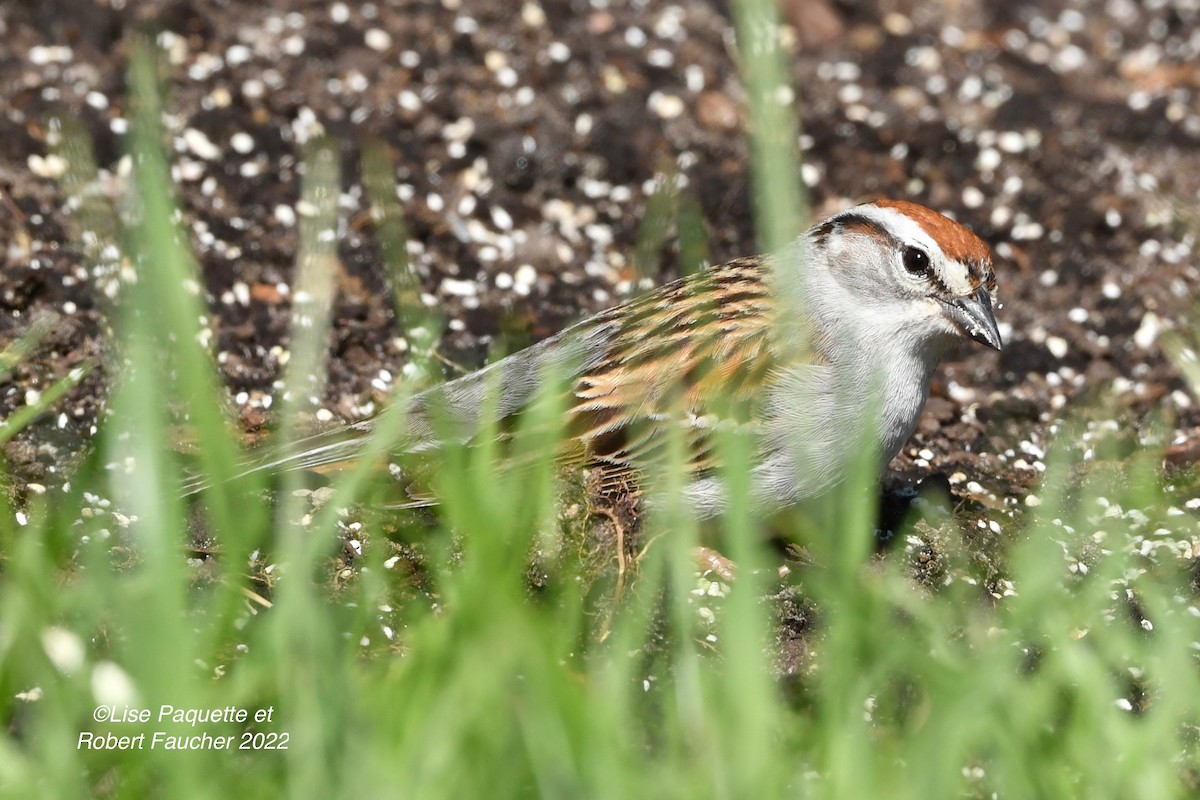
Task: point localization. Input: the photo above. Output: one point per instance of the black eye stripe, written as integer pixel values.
(978, 270)
(939, 285)
(920, 265)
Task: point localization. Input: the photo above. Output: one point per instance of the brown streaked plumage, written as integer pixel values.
(876, 294)
(697, 349)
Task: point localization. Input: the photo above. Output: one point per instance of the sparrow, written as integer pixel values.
(804, 350)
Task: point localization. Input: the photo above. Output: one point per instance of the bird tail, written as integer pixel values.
(448, 412)
(326, 451)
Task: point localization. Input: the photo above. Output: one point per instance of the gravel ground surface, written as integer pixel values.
(529, 136)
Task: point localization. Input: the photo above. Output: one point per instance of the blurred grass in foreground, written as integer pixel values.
(1079, 680)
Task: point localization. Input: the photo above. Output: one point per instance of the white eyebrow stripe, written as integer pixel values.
(902, 227)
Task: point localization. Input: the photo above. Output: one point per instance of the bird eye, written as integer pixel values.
(916, 260)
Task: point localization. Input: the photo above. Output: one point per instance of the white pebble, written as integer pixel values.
(238, 54)
(460, 130)
(241, 293)
(989, 159)
(502, 219)
(51, 166)
(963, 395)
(666, 106)
(285, 214)
(1027, 231)
(459, 288)
(558, 52)
(54, 54)
(377, 39)
(1148, 331)
(408, 100)
(200, 145)
(526, 275)
(65, 650)
(242, 142)
(253, 88)
(1011, 142)
(658, 57)
(1070, 58)
(972, 197)
(533, 15)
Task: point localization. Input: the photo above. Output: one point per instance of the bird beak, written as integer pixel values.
(974, 318)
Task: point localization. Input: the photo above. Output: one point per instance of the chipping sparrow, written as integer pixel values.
(837, 334)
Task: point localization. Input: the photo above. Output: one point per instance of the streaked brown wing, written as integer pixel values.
(696, 353)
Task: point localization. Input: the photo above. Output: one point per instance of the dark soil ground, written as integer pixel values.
(529, 136)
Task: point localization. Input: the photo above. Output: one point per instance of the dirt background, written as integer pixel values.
(529, 136)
